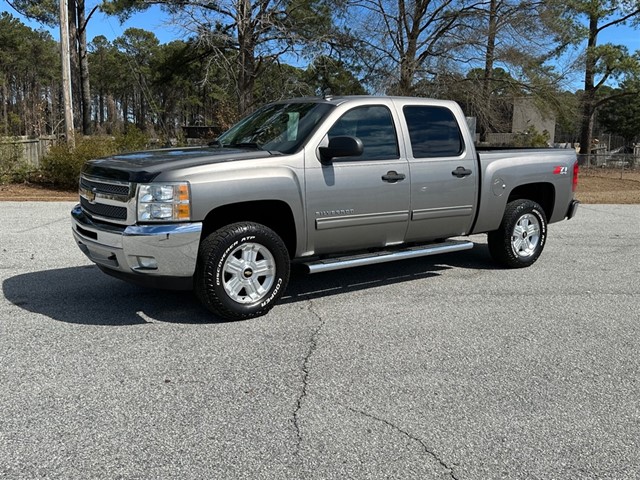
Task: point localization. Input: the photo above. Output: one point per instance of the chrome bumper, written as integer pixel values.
(168, 250)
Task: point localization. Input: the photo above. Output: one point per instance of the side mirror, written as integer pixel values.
(341, 147)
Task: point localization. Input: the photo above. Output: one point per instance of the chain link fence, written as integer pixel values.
(622, 159)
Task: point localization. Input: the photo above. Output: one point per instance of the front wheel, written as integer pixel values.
(243, 269)
(519, 240)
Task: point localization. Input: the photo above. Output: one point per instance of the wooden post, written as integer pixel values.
(66, 74)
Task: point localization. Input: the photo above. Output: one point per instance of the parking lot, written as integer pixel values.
(442, 368)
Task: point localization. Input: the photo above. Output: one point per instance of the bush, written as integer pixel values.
(13, 167)
(133, 140)
(61, 166)
(531, 138)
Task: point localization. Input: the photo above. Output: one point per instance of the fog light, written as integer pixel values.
(147, 263)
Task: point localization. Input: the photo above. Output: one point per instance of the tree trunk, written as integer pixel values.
(51, 108)
(5, 109)
(112, 115)
(489, 59)
(586, 125)
(101, 108)
(247, 63)
(142, 118)
(407, 71)
(125, 113)
(408, 60)
(588, 99)
(73, 53)
(84, 68)
(36, 109)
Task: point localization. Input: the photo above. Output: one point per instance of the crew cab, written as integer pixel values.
(327, 183)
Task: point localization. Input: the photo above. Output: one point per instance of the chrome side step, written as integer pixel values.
(326, 265)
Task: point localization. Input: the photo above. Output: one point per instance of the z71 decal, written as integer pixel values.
(560, 170)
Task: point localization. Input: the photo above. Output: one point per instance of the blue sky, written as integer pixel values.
(152, 19)
(155, 20)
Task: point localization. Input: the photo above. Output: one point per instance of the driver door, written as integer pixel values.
(359, 202)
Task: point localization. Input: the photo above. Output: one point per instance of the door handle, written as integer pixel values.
(461, 172)
(392, 177)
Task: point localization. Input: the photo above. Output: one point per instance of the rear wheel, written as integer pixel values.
(243, 269)
(519, 240)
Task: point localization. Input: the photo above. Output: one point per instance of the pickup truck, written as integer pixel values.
(326, 183)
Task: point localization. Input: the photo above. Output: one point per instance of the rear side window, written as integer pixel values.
(433, 132)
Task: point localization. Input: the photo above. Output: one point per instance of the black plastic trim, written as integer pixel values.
(573, 208)
(150, 281)
(479, 197)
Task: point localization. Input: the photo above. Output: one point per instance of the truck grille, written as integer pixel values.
(105, 211)
(100, 187)
(107, 200)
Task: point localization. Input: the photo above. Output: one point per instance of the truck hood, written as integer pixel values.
(143, 167)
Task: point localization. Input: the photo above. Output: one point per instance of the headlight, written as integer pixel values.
(164, 202)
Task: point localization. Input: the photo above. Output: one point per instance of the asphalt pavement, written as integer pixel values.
(441, 368)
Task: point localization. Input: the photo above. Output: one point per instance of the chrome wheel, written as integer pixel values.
(525, 236)
(248, 273)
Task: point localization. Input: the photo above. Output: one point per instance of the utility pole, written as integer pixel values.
(66, 74)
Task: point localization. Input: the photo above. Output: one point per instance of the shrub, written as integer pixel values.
(61, 166)
(13, 167)
(133, 140)
(531, 138)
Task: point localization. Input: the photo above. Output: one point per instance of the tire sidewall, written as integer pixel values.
(243, 234)
(526, 208)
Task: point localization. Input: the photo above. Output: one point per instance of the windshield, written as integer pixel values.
(281, 127)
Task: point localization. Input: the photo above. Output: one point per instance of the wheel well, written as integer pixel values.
(543, 194)
(275, 214)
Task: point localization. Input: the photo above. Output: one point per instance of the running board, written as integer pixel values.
(326, 265)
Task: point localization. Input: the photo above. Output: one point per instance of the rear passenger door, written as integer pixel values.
(444, 172)
(359, 202)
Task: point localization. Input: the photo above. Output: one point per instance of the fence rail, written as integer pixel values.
(27, 149)
(610, 160)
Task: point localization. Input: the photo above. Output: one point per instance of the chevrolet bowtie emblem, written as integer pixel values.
(91, 195)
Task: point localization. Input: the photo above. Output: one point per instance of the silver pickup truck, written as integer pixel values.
(328, 183)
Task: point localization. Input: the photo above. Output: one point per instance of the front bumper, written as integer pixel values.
(138, 251)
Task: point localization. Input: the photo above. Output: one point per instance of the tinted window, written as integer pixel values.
(374, 126)
(433, 131)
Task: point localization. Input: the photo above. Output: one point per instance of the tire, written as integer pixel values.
(520, 239)
(242, 271)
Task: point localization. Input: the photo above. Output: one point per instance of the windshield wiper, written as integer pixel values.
(252, 145)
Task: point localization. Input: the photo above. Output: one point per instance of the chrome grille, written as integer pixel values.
(108, 200)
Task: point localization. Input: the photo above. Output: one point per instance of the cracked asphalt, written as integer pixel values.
(442, 368)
